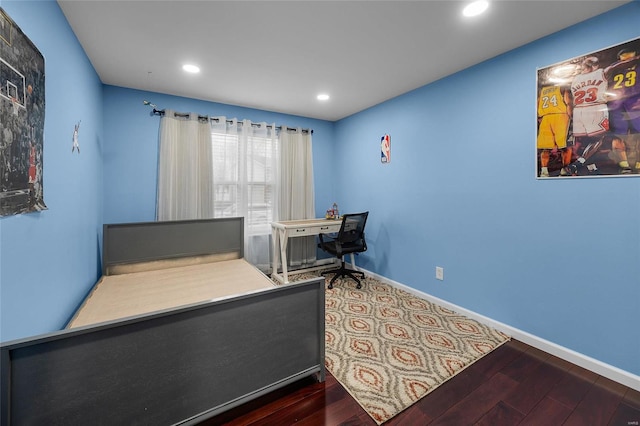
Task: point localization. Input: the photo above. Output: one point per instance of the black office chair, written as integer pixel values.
(350, 239)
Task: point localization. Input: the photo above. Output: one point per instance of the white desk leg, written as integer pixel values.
(275, 249)
(284, 239)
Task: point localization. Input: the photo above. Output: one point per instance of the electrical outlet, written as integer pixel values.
(439, 273)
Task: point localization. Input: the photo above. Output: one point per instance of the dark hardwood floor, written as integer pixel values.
(514, 385)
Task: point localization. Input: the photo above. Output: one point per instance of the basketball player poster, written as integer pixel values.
(588, 115)
(22, 109)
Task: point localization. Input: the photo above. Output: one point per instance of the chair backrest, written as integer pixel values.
(352, 228)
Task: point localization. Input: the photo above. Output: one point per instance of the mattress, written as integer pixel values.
(120, 296)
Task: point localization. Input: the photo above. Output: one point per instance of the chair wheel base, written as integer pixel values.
(346, 273)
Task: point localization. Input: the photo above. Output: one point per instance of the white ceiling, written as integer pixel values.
(278, 55)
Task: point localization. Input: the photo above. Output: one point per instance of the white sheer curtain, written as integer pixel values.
(185, 169)
(296, 198)
(221, 167)
(245, 158)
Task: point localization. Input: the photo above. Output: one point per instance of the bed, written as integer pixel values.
(180, 358)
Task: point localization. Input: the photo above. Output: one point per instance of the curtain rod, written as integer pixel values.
(160, 112)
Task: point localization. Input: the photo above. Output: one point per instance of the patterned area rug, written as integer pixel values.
(389, 348)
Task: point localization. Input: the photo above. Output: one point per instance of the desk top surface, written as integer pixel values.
(305, 222)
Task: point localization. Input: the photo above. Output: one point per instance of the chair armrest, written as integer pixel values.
(323, 236)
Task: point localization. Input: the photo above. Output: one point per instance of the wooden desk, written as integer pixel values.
(282, 231)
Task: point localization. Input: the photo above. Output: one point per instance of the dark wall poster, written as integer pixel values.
(22, 104)
(589, 115)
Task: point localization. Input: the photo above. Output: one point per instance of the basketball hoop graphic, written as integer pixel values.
(13, 86)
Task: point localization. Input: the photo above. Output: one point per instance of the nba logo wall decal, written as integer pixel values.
(385, 149)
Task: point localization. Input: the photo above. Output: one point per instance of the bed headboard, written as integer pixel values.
(130, 243)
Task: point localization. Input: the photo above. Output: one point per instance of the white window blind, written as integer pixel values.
(245, 187)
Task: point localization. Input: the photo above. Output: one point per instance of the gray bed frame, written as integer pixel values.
(178, 366)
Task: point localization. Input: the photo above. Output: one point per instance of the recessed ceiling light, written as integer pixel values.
(475, 8)
(191, 68)
(323, 97)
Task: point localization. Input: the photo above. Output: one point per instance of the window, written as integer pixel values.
(226, 168)
(248, 184)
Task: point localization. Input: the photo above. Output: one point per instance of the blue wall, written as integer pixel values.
(49, 259)
(558, 259)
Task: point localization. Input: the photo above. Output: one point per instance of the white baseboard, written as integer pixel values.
(609, 371)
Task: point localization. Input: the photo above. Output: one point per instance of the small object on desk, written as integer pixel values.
(332, 213)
